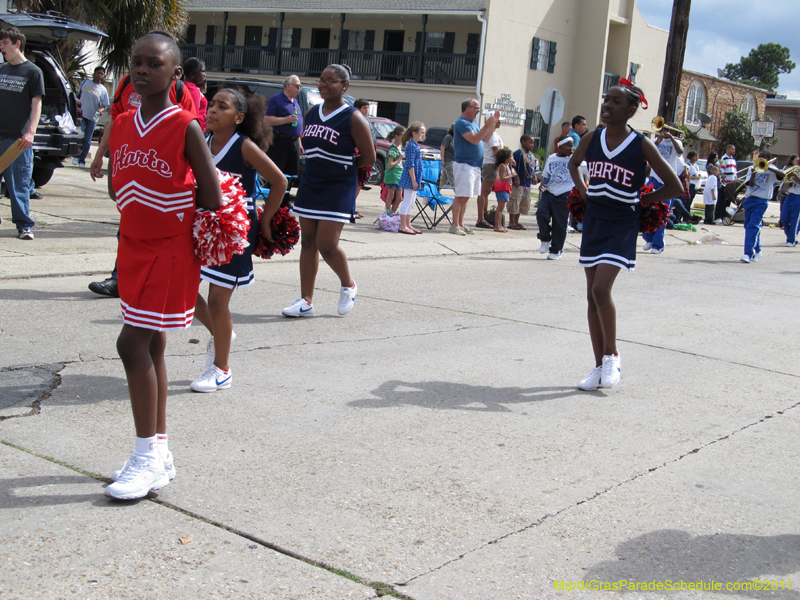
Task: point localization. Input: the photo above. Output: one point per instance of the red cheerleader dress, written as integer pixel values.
(159, 274)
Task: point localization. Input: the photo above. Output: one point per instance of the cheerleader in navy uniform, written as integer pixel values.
(326, 198)
(238, 141)
(616, 156)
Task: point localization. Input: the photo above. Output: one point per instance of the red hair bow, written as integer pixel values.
(629, 83)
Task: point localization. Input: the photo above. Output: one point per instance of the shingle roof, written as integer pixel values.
(335, 6)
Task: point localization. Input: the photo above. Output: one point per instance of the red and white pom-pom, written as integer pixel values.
(219, 234)
(576, 205)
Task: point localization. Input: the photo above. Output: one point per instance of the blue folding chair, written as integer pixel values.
(431, 205)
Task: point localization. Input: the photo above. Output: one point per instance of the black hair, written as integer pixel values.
(96, 69)
(576, 120)
(360, 103)
(192, 66)
(767, 154)
(524, 138)
(712, 157)
(253, 108)
(395, 132)
(790, 161)
(501, 156)
(342, 71)
(567, 124)
(691, 155)
(165, 38)
(451, 130)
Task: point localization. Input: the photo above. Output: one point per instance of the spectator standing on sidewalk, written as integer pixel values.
(94, 101)
(194, 76)
(283, 113)
(21, 91)
(727, 176)
(468, 141)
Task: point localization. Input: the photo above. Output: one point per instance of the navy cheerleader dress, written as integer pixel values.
(611, 224)
(239, 271)
(327, 189)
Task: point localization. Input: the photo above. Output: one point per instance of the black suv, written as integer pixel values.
(42, 31)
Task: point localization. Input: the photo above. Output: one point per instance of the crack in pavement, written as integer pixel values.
(600, 493)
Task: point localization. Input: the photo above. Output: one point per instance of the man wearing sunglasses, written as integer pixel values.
(283, 113)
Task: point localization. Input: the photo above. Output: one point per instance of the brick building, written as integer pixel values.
(703, 95)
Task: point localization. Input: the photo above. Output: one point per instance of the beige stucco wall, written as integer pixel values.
(648, 48)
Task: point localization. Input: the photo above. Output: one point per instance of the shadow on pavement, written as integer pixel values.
(459, 396)
(675, 555)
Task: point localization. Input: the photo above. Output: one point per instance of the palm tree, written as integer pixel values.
(124, 21)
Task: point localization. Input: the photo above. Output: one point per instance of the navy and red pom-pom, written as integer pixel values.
(285, 235)
(654, 216)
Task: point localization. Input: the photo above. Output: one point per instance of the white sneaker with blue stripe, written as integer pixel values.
(212, 379)
(610, 371)
(347, 297)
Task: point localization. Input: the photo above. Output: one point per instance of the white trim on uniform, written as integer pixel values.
(619, 148)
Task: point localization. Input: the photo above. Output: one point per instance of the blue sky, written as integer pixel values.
(722, 31)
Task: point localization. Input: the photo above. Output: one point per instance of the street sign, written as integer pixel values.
(552, 106)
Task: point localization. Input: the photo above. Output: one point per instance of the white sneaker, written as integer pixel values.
(544, 247)
(211, 350)
(468, 230)
(745, 258)
(138, 476)
(457, 230)
(75, 161)
(299, 308)
(26, 234)
(756, 256)
(570, 229)
(647, 246)
(212, 379)
(791, 244)
(169, 467)
(347, 297)
(611, 371)
(656, 250)
(554, 256)
(592, 380)
(717, 221)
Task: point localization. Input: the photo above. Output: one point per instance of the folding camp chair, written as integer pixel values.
(262, 187)
(431, 205)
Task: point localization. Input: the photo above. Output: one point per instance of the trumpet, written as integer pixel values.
(762, 165)
(658, 125)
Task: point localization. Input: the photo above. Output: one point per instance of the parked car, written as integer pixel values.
(51, 145)
(435, 135)
(381, 128)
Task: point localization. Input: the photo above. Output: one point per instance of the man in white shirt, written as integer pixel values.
(553, 200)
(491, 146)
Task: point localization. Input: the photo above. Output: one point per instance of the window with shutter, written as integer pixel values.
(369, 39)
(211, 34)
(787, 119)
(230, 39)
(272, 37)
(551, 60)
(535, 49)
(191, 34)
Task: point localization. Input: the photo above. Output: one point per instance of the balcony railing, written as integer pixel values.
(446, 69)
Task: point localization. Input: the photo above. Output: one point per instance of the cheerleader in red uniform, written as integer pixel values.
(154, 151)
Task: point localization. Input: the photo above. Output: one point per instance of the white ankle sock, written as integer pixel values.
(161, 444)
(147, 447)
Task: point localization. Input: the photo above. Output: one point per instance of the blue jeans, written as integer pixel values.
(754, 209)
(18, 183)
(88, 130)
(790, 217)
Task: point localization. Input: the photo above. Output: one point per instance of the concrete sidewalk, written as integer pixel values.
(430, 445)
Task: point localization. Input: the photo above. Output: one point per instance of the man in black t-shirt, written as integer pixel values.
(21, 91)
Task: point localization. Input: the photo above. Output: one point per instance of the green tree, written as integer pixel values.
(736, 130)
(762, 67)
(124, 21)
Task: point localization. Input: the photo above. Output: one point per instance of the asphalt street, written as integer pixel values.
(430, 445)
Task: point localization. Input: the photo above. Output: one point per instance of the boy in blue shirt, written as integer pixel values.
(525, 164)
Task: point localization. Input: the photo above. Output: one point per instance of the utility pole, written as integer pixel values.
(673, 65)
